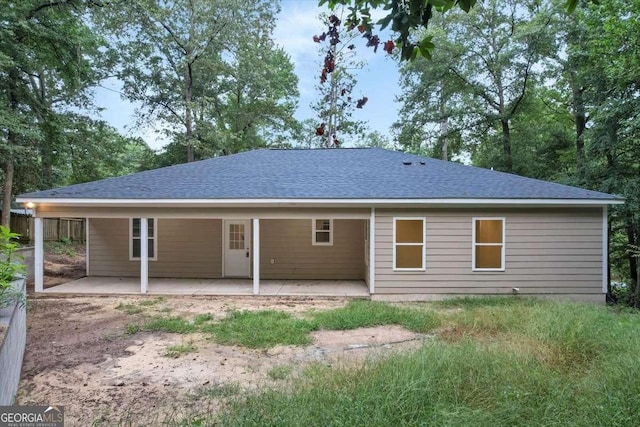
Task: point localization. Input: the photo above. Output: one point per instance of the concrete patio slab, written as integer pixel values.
(231, 287)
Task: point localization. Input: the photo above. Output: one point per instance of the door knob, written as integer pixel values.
(247, 252)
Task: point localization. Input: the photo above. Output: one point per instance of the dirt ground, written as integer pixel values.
(79, 355)
(63, 264)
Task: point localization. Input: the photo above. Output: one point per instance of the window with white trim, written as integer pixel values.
(322, 232)
(134, 239)
(488, 244)
(409, 246)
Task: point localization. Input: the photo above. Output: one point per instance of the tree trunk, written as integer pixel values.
(633, 262)
(188, 121)
(444, 124)
(12, 139)
(6, 194)
(580, 120)
(506, 145)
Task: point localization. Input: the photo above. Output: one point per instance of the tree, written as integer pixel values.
(94, 150)
(483, 76)
(46, 52)
(203, 70)
(611, 65)
(335, 105)
(406, 18)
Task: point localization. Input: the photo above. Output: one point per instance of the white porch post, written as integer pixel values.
(256, 256)
(144, 256)
(372, 251)
(39, 254)
(86, 246)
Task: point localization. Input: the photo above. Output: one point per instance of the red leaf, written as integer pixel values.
(316, 39)
(361, 28)
(320, 130)
(335, 141)
(389, 46)
(361, 102)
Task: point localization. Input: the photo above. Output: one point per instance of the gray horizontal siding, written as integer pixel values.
(547, 251)
(186, 249)
(289, 244)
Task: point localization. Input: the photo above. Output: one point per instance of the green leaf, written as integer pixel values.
(571, 5)
(466, 5)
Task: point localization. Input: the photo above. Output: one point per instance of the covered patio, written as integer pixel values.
(193, 287)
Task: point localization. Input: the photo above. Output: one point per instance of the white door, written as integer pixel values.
(237, 250)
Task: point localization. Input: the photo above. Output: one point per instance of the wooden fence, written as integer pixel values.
(54, 229)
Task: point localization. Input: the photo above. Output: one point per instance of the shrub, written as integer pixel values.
(9, 268)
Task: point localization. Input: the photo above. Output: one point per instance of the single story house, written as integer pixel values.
(408, 227)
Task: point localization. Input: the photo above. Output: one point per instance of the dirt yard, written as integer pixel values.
(80, 355)
(63, 263)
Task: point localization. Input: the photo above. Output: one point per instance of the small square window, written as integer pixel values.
(322, 232)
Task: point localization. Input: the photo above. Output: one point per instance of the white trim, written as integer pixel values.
(256, 256)
(474, 244)
(39, 254)
(86, 246)
(314, 230)
(225, 241)
(144, 255)
(605, 249)
(366, 242)
(372, 252)
(320, 202)
(424, 241)
(154, 238)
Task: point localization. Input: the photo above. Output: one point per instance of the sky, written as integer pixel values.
(296, 25)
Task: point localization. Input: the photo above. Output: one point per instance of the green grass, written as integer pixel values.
(280, 372)
(363, 313)
(132, 328)
(175, 351)
(218, 390)
(129, 308)
(150, 302)
(260, 329)
(501, 363)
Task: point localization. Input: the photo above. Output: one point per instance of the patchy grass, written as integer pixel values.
(132, 328)
(218, 390)
(175, 351)
(260, 329)
(280, 372)
(363, 313)
(488, 301)
(176, 325)
(151, 302)
(201, 319)
(129, 308)
(506, 362)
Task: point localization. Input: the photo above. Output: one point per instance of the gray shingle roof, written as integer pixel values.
(371, 173)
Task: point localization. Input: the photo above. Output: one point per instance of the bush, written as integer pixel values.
(9, 268)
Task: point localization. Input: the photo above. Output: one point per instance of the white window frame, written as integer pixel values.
(474, 244)
(154, 238)
(314, 230)
(424, 242)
